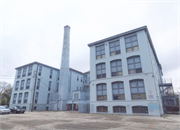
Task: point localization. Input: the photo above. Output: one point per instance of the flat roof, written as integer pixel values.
(126, 33)
(35, 62)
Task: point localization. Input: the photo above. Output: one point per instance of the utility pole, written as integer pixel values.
(179, 103)
(34, 89)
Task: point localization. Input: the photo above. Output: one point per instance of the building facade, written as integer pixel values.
(36, 87)
(125, 75)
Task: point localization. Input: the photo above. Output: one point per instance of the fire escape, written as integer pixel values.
(169, 100)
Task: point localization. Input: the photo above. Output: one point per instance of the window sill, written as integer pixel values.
(101, 58)
(100, 78)
(114, 55)
(116, 76)
(132, 51)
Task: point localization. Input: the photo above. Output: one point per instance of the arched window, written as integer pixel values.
(116, 68)
(100, 52)
(101, 70)
(118, 91)
(24, 107)
(119, 109)
(137, 89)
(25, 97)
(48, 98)
(134, 65)
(102, 109)
(20, 98)
(30, 70)
(38, 83)
(36, 97)
(40, 70)
(101, 92)
(131, 43)
(114, 47)
(28, 83)
(14, 98)
(17, 85)
(49, 88)
(35, 108)
(139, 109)
(22, 85)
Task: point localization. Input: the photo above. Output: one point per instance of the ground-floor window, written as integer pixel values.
(102, 109)
(140, 109)
(119, 109)
(47, 108)
(74, 107)
(24, 107)
(35, 108)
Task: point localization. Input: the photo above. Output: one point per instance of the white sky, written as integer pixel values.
(33, 31)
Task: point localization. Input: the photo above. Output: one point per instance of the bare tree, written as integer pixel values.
(5, 89)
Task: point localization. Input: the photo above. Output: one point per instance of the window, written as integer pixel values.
(38, 84)
(36, 97)
(26, 97)
(58, 74)
(22, 85)
(35, 108)
(49, 88)
(17, 85)
(77, 78)
(131, 43)
(77, 87)
(81, 79)
(30, 70)
(119, 109)
(101, 92)
(114, 48)
(118, 91)
(140, 109)
(19, 73)
(57, 87)
(14, 98)
(48, 98)
(40, 70)
(20, 98)
(102, 109)
(100, 52)
(24, 72)
(134, 65)
(116, 68)
(76, 96)
(51, 72)
(47, 108)
(101, 70)
(28, 83)
(24, 107)
(137, 89)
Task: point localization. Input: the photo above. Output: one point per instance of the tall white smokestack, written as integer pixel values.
(64, 70)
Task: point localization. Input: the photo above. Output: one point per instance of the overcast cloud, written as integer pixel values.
(33, 31)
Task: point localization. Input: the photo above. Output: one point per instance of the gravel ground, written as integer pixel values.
(53, 120)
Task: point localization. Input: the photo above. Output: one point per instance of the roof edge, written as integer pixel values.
(118, 35)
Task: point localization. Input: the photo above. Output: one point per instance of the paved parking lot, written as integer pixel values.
(75, 121)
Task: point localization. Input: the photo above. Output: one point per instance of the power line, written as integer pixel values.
(48, 86)
(7, 75)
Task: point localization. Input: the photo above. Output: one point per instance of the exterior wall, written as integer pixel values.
(152, 102)
(43, 88)
(74, 83)
(30, 90)
(44, 85)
